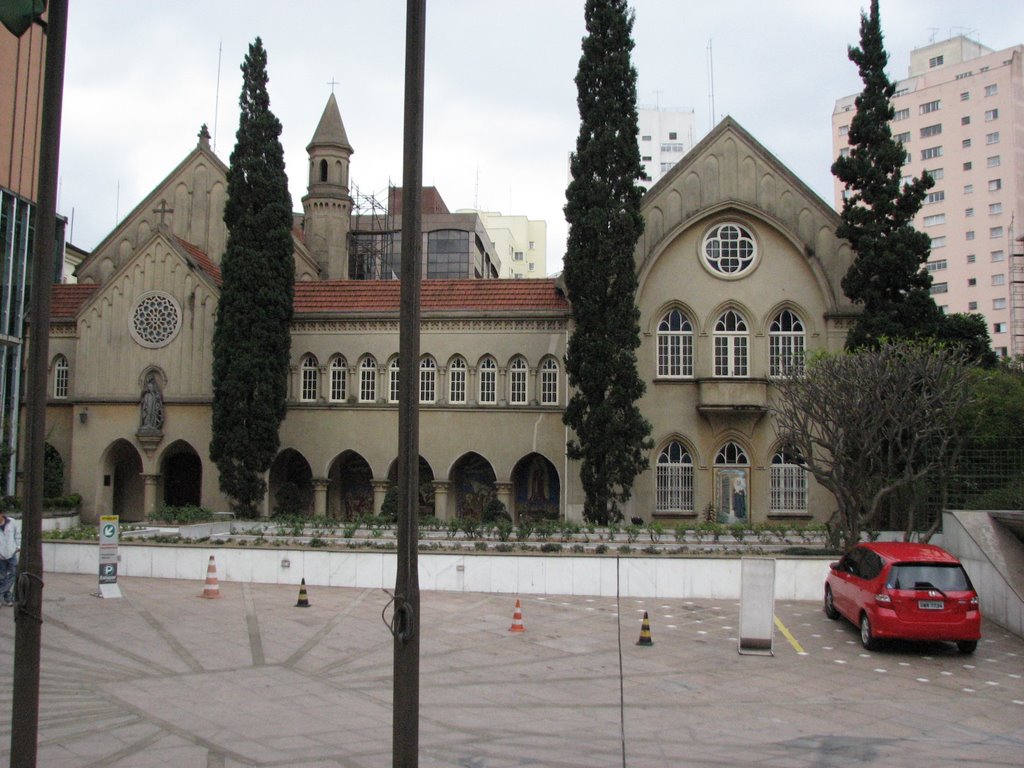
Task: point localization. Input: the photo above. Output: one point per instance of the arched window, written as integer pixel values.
(786, 345)
(731, 454)
(428, 380)
(518, 372)
(488, 380)
(339, 379)
(61, 375)
(549, 382)
(674, 480)
(310, 379)
(731, 344)
(393, 381)
(323, 171)
(789, 483)
(457, 380)
(367, 380)
(675, 345)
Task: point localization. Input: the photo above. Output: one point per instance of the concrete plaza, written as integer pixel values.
(162, 677)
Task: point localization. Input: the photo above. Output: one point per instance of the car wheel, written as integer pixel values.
(830, 606)
(966, 647)
(866, 638)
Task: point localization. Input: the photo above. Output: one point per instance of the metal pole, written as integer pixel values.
(406, 690)
(28, 611)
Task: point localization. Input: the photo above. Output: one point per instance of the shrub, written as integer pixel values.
(524, 529)
(738, 531)
(504, 547)
(470, 526)
(655, 530)
(184, 515)
(632, 532)
(550, 546)
(389, 507)
(601, 549)
(650, 549)
(503, 529)
(625, 549)
(495, 510)
(679, 531)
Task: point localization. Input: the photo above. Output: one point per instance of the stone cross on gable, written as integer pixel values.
(332, 82)
(163, 210)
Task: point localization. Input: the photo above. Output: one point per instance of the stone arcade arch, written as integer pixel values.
(122, 486)
(182, 472)
(291, 483)
(536, 490)
(350, 488)
(426, 492)
(473, 484)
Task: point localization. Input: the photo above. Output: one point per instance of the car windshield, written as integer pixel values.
(946, 578)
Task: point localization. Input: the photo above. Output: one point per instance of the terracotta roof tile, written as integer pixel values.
(67, 299)
(435, 296)
(201, 259)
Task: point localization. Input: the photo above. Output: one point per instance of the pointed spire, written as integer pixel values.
(330, 131)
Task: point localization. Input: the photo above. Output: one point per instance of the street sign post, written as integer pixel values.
(109, 529)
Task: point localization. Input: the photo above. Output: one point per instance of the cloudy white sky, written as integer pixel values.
(500, 102)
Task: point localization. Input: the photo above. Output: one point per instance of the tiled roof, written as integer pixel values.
(67, 299)
(435, 296)
(201, 259)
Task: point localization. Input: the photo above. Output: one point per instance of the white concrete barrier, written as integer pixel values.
(522, 574)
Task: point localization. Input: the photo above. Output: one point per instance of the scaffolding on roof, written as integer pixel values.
(373, 238)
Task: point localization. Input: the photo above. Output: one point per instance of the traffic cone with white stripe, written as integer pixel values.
(645, 632)
(517, 619)
(212, 589)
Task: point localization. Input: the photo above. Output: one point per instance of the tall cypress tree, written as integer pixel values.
(887, 276)
(252, 338)
(603, 210)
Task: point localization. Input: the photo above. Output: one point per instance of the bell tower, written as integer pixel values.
(328, 205)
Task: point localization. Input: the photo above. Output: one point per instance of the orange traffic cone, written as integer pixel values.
(645, 632)
(303, 597)
(517, 619)
(212, 588)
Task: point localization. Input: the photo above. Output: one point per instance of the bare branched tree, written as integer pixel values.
(871, 422)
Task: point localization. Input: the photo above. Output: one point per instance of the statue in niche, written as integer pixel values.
(151, 407)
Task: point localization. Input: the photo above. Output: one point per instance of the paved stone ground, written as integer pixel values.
(165, 678)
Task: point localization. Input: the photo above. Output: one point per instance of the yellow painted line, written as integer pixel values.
(792, 640)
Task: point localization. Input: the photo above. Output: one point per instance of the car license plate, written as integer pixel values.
(930, 605)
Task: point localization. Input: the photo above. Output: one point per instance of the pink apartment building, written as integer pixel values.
(960, 116)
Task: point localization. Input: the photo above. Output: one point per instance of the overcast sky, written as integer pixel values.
(500, 102)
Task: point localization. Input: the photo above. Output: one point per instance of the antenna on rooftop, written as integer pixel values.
(216, 97)
(711, 83)
(934, 31)
(476, 190)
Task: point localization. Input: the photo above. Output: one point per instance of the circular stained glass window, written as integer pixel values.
(729, 249)
(156, 320)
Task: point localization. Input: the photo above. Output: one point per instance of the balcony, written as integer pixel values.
(733, 402)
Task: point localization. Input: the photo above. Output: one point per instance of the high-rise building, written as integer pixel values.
(665, 136)
(21, 88)
(521, 243)
(960, 114)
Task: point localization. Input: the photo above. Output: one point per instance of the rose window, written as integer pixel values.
(156, 320)
(729, 249)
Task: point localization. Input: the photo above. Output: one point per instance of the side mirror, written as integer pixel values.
(834, 566)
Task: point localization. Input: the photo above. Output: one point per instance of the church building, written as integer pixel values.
(739, 277)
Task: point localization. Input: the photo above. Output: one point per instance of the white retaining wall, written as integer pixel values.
(669, 577)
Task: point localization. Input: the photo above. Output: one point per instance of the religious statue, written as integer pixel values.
(151, 408)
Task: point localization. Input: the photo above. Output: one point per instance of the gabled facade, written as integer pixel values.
(739, 275)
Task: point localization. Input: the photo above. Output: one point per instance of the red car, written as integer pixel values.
(904, 590)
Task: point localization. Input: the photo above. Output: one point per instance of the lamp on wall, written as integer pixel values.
(83, 416)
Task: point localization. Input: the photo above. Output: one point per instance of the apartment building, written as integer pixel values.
(960, 114)
(665, 136)
(520, 242)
